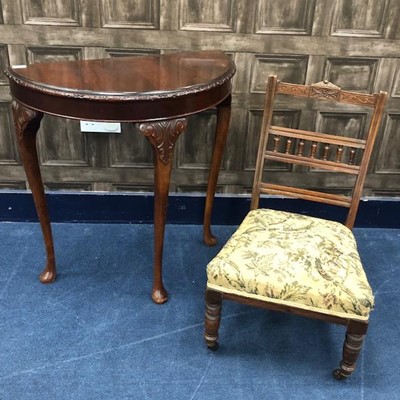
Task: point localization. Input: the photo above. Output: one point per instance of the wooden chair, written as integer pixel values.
(295, 263)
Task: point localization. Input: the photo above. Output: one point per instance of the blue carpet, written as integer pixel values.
(95, 333)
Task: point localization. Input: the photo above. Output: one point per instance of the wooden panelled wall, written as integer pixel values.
(353, 43)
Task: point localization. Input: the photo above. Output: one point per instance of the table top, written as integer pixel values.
(136, 88)
(126, 78)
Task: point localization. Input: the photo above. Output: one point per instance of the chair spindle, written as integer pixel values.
(288, 145)
(313, 149)
(326, 152)
(300, 148)
(339, 154)
(276, 142)
(352, 156)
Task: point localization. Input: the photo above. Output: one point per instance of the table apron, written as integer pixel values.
(126, 110)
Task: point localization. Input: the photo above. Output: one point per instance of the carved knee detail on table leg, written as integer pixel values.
(351, 350)
(163, 135)
(25, 119)
(212, 318)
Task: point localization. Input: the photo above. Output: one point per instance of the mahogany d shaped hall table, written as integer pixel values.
(156, 92)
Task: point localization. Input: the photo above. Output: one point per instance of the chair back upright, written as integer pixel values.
(333, 152)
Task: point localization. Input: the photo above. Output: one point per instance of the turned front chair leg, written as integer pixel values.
(27, 123)
(221, 133)
(351, 349)
(162, 136)
(212, 318)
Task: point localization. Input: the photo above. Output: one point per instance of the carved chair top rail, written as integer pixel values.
(318, 137)
(312, 162)
(305, 194)
(327, 91)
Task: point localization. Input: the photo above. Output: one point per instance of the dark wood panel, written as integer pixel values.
(293, 18)
(389, 160)
(194, 147)
(395, 92)
(386, 193)
(11, 185)
(126, 187)
(52, 54)
(289, 69)
(51, 12)
(137, 14)
(355, 44)
(68, 186)
(348, 124)
(8, 153)
(61, 143)
(287, 118)
(197, 189)
(4, 61)
(360, 18)
(357, 74)
(208, 15)
(121, 52)
(129, 149)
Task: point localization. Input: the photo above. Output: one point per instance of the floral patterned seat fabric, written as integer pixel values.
(295, 260)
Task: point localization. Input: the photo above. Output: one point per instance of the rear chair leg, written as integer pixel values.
(212, 318)
(351, 349)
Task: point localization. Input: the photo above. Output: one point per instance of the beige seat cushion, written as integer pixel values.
(296, 260)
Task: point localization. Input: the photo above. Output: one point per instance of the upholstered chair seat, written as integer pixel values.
(295, 260)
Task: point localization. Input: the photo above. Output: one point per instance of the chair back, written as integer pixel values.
(333, 152)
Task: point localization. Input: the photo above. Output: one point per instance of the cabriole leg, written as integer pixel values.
(162, 135)
(223, 116)
(27, 123)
